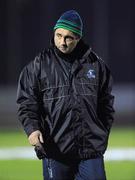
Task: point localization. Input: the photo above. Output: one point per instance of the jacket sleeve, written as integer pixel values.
(28, 99)
(105, 98)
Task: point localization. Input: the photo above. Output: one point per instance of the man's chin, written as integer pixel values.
(64, 51)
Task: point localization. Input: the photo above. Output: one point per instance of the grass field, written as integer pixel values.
(32, 169)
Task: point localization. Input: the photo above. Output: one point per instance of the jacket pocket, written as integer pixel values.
(87, 88)
(53, 92)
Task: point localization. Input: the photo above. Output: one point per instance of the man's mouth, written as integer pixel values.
(63, 47)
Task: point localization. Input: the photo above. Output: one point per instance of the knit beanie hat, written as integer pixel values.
(71, 21)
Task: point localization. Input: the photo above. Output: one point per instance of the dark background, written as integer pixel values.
(26, 27)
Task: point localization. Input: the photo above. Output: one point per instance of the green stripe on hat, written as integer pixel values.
(68, 22)
(68, 28)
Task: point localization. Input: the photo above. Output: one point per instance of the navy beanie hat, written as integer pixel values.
(71, 21)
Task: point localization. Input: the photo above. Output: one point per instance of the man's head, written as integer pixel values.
(68, 31)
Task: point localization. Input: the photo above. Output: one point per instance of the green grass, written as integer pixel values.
(122, 137)
(20, 170)
(32, 169)
(13, 138)
(120, 170)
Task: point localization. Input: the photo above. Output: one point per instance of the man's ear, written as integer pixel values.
(78, 39)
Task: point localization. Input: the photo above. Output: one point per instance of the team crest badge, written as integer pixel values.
(91, 74)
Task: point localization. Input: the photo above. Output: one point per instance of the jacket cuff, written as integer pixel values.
(29, 129)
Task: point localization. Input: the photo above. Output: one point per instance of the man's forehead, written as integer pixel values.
(64, 32)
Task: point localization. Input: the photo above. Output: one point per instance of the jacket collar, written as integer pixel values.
(81, 52)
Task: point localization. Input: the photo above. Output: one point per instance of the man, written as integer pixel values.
(66, 106)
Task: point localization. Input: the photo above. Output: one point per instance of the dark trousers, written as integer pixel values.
(90, 169)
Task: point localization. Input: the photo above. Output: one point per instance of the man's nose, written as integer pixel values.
(63, 41)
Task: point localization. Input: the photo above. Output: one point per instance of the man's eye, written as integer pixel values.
(69, 38)
(58, 35)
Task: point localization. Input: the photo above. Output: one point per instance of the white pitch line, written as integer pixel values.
(120, 154)
(112, 154)
(17, 153)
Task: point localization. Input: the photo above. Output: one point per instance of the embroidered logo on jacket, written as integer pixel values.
(91, 74)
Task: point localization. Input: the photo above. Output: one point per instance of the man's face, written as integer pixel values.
(65, 40)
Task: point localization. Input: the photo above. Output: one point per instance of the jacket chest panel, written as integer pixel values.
(82, 80)
(86, 81)
(54, 83)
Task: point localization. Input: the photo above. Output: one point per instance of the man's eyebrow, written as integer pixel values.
(58, 33)
(68, 36)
